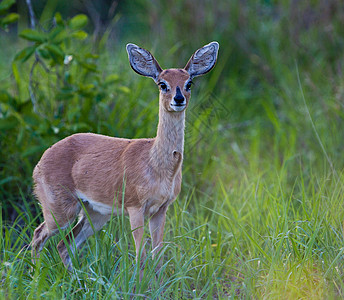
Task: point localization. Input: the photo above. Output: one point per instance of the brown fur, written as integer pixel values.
(142, 174)
(98, 166)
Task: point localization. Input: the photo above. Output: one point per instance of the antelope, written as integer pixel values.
(108, 175)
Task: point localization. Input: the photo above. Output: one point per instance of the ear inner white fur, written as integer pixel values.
(143, 62)
(203, 60)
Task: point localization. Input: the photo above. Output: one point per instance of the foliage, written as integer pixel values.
(59, 96)
(261, 210)
(7, 18)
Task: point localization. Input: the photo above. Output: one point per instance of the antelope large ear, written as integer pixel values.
(143, 62)
(203, 60)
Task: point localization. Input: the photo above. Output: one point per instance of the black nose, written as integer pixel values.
(179, 98)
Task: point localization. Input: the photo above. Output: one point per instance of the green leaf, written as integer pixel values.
(33, 35)
(24, 107)
(54, 32)
(8, 123)
(10, 18)
(80, 34)
(78, 22)
(20, 135)
(111, 78)
(16, 73)
(58, 35)
(66, 93)
(5, 97)
(6, 4)
(86, 87)
(89, 66)
(31, 118)
(124, 89)
(25, 54)
(56, 52)
(58, 19)
(43, 52)
(91, 55)
(86, 90)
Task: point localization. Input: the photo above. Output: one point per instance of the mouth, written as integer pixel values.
(178, 107)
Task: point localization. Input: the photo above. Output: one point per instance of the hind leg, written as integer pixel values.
(45, 231)
(55, 216)
(79, 234)
(39, 239)
(40, 236)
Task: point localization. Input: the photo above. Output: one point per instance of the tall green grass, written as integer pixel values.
(257, 236)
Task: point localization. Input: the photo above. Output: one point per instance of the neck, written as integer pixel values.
(170, 138)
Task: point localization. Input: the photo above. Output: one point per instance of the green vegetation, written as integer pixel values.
(261, 210)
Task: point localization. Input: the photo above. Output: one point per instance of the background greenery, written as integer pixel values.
(261, 210)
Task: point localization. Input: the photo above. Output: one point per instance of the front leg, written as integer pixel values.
(136, 218)
(156, 228)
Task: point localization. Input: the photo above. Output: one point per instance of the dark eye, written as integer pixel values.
(188, 86)
(163, 86)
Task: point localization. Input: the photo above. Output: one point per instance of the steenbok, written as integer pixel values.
(99, 174)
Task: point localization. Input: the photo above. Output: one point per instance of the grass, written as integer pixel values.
(261, 237)
(261, 210)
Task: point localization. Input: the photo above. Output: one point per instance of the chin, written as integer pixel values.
(177, 108)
